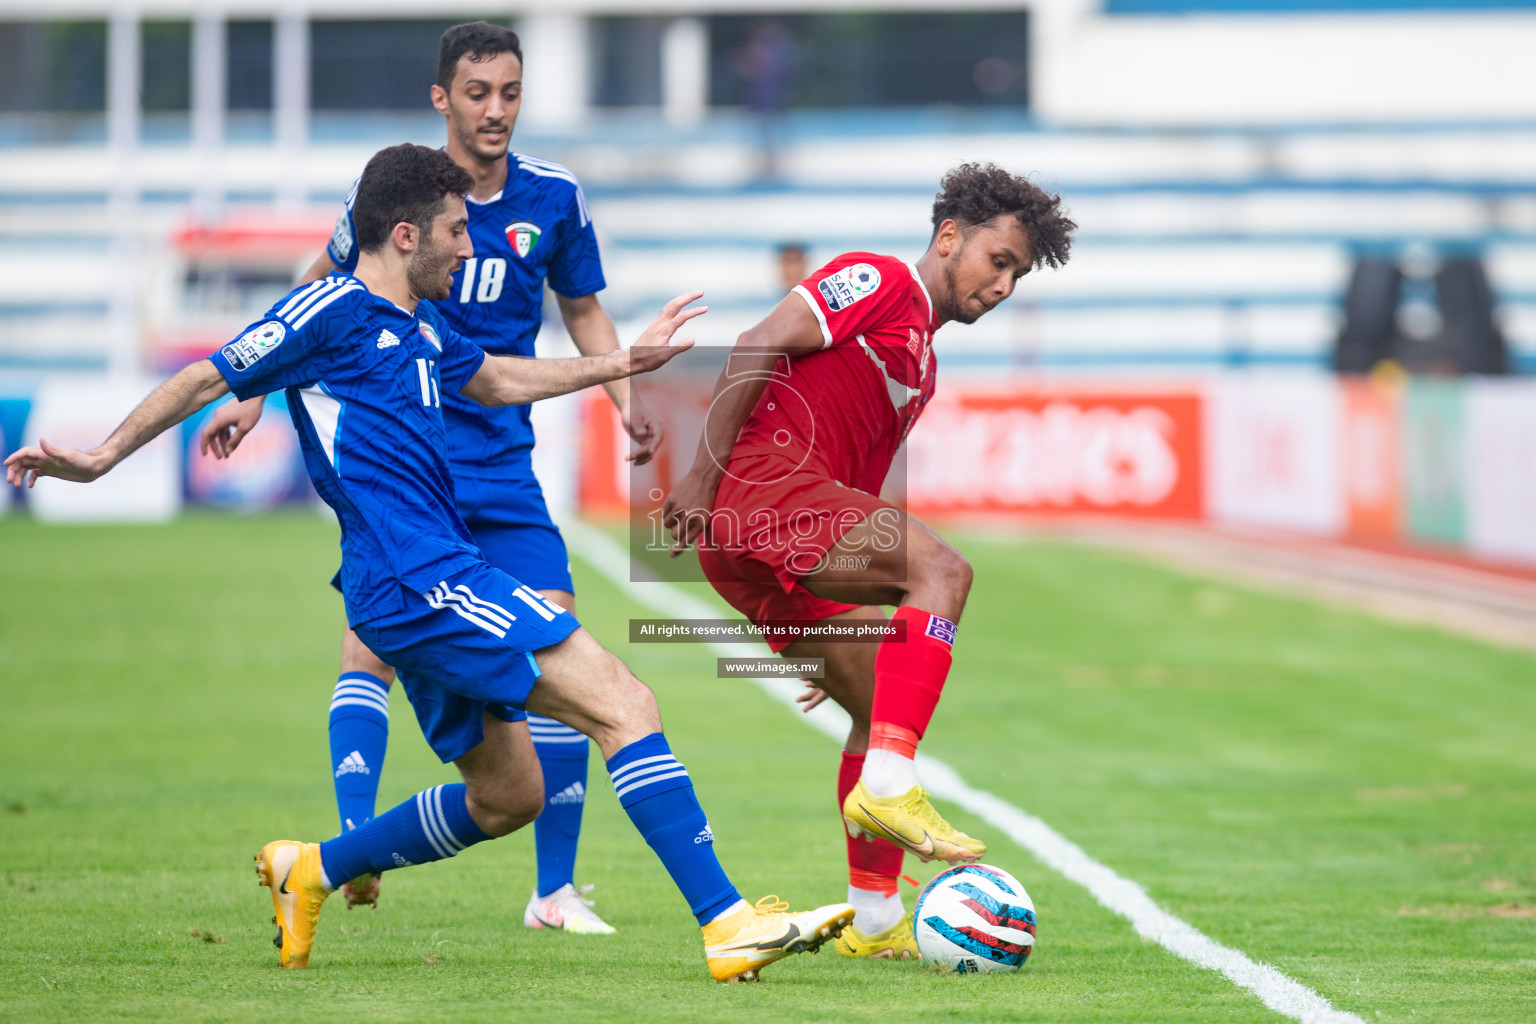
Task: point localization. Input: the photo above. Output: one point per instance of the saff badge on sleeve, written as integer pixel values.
(244, 351)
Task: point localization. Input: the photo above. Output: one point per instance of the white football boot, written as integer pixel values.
(566, 908)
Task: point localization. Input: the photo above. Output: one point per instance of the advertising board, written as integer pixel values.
(1500, 423)
(1434, 461)
(82, 413)
(1063, 451)
(1272, 453)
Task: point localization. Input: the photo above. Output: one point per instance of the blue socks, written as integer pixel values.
(654, 789)
(359, 735)
(431, 825)
(652, 786)
(563, 756)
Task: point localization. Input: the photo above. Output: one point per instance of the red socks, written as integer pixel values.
(909, 676)
(874, 865)
(908, 680)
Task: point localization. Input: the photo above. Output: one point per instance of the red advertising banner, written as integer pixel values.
(602, 488)
(1067, 451)
(984, 449)
(1371, 459)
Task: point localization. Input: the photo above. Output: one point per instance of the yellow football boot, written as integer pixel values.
(911, 823)
(292, 871)
(740, 944)
(895, 943)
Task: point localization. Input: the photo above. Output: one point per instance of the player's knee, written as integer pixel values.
(959, 572)
(947, 570)
(525, 807)
(640, 708)
(356, 657)
(632, 711)
(508, 809)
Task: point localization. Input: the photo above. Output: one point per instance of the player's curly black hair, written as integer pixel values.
(974, 193)
(480, 40)
(404, 184)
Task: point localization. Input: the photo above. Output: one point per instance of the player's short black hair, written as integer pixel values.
(974, 193)
(480, 40)
(404, 184)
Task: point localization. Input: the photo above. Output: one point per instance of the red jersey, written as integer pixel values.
(844, 410)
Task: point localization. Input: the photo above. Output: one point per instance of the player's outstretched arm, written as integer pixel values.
(790, 330)
(511, 380)
(166, 406)
(592, 330)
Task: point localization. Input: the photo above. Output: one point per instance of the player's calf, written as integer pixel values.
(938, 577)
(589, 689)
(504, 784)
(497, 817)
(583, 685)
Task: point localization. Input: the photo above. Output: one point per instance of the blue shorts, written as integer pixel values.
(466, 648)
(510, 523)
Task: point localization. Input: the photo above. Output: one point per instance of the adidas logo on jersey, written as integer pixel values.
(575, 793)
(706, 836)
(353, 763)
(387, 339)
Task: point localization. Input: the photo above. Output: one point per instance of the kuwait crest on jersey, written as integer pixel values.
(523, 236)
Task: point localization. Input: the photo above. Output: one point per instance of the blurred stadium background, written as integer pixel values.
(1293, 347)
(1269, 193)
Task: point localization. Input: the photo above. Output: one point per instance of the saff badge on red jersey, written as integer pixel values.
(523, 236)
(848, 285)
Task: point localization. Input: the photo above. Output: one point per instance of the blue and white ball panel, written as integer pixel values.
(975, 918)
(466, 647)
(510, 523)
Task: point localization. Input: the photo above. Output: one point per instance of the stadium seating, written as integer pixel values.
(1198, 250)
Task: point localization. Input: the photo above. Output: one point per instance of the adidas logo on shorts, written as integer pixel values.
(575, 793)
(353, 763)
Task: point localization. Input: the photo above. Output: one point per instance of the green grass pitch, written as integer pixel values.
(1352, 802)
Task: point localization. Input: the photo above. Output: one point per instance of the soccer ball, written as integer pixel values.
(975, 918)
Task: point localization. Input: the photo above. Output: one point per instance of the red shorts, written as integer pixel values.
(772, 524)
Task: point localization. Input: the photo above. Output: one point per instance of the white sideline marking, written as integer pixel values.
(1111, 890)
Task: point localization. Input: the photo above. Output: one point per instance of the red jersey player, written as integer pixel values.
(783, 499)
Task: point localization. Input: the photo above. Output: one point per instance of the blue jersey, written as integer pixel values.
(535, 229)
(365, 384)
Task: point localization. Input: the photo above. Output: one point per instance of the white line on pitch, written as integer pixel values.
(1116, 893)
